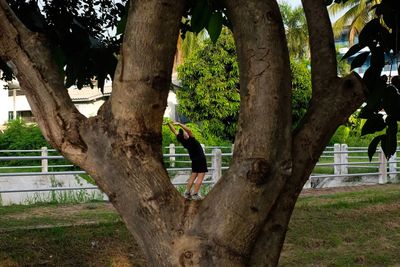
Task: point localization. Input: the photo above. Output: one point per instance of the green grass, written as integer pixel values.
(345, 229)
(356, 228)
(43, 215)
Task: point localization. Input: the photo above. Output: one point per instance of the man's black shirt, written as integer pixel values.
(194, 148)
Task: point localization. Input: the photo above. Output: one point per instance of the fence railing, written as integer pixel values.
(341, 161)
(337, 162)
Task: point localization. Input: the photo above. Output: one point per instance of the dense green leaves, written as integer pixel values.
(79, 35)
(86, 35)
(210, 84)
(301, 89)
(210, 87)
(204, 14)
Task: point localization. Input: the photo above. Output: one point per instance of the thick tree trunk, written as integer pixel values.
(244, 219)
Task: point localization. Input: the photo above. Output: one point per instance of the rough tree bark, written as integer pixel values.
(244, 219)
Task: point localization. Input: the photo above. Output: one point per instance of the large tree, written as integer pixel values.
(244, 219)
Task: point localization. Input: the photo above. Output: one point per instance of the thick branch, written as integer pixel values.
(323, 117)
(323, 53)
(260, 166)
(265, 90)
(30, 58)
(127, 131)
(143, 76)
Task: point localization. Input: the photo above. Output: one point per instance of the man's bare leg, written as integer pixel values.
(190, 182)
(199, 181)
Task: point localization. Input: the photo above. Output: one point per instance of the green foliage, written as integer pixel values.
(296, 30)
(352, 134)
(198, 130)
(301, 86)
(20, 135)
(340, 136)
(204, 14)
(79, 32)
(210, 82)
(210, 87)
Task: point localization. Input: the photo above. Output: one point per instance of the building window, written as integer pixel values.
(17, 91)
(25, 115)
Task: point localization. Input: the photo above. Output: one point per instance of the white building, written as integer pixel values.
(13, 102)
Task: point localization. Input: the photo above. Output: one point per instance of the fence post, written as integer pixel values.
(382, 168)
(344, 159)
(172, 158)
(337, 159)
(393, 168)
(216, 164)
(203, 147)
(232, 148)
(45, 162)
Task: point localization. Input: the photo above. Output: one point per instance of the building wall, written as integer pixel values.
(171, 109)
(4, 108)
(87, 108)
(21, 103)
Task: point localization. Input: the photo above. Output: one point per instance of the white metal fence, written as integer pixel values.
(338, 165)
(351, 165)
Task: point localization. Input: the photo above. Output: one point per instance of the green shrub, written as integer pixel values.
(199, 130)
(340, 136)
(20, 135)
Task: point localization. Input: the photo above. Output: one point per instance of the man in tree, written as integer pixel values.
(121, 146)
(196, 153)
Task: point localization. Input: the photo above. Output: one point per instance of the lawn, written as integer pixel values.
(332, 227)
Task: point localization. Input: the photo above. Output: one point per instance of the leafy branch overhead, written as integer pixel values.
(379, 42)
(86, 36)
(79, 35)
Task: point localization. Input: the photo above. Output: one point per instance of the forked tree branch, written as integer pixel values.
(30, 58)
(260, 166)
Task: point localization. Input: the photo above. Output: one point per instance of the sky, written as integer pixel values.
(294, 3)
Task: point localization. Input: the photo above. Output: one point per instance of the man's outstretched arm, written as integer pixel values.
(184, 127)
(172, 128)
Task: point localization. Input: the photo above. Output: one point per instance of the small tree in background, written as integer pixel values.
(19, 135)
(210, 87)
(296, 31)
(210, 82)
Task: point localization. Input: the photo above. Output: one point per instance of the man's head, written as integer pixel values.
(182, 135)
